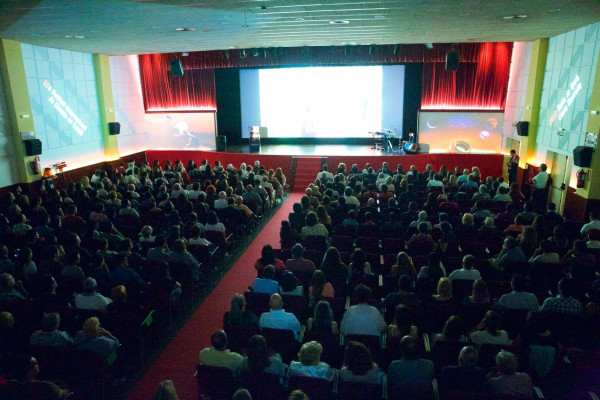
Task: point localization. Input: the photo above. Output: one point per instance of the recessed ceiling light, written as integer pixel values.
(186, 29)
(155, 27)
(233, 47)
(35, 34)
(339, 22)
(555, 10)
(69, 36)
(225, 22)
(79, 37)
(299, 19)
(380, 17)
(522, 16)
(509, 17)
(93, 31)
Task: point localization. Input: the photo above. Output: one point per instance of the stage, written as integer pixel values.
(273, 156)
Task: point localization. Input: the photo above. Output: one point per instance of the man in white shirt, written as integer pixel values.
(325, 170)
(539, 188)
(593, 224)
(435, 182)
(467, 271)
(221, 202)
(90, 299)
(278, 318)
(362, 319)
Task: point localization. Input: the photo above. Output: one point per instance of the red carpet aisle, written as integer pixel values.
(307, 170)
(178, 361)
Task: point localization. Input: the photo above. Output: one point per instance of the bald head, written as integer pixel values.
(276, 302)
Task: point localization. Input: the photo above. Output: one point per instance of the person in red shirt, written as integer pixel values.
(268, 258)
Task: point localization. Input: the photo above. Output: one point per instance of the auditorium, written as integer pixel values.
(388, 199)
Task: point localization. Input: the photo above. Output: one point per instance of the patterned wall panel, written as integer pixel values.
(568, 83)
(64, 102)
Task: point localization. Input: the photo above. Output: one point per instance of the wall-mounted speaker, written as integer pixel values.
(452, 60)
(523, 128)
(114, 128)
(176, 68)
(582, 156)
(33, 147)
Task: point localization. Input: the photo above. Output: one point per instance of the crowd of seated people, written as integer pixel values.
(433, 281)
(108, 251)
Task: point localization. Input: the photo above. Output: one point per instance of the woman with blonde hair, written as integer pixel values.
(95, 338)
(476, 174)
(444, 290)
(310, 364)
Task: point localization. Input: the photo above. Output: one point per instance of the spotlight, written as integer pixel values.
(264, 53)
(254, 52)
(429, 45)
(225, 54)
(243, 53)
(397, 49)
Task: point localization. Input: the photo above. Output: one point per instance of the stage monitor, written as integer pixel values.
(323, 102)
(461, 132)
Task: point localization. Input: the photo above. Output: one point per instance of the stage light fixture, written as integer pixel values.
(243, 53)
(225, 54)
(264, 53)
(397, 49)
(254, 52)
(372, 49)
(429, 45)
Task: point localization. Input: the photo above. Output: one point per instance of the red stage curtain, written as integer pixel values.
(479, 85)
(194, 91)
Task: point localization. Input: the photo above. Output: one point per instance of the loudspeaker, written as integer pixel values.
(411, 148)
(452, 60)
(523, 128)
(33, 147)
(221, 143)
(114, 128)
(582, 156)
(176, 68)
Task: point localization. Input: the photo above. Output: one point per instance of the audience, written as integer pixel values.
(219, 356)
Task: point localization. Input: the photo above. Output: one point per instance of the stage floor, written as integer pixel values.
(311, 150)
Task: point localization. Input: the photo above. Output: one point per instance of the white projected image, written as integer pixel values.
(321, 101)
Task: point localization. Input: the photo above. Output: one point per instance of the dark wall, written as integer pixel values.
(413, 85)
(229, 110)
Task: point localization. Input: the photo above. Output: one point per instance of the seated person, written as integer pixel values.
(362, 318)
(49, 335)
(268, 258)
(411, 370)
(298, 262)
(488, 331)
(452, 332)
(467, 271)
(266, 284)
(564, 301)
(89, 299)
(237, 315)
(506, 381)
(218, 355)
(402, 324)
(26, 386)
(322, 320)
(466, 375)
(96, 339)
(278, 318)
(359, 365)
(518, 299)
(289, 285)
(310, 364)
(259, 359)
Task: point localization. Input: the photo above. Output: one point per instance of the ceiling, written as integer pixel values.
(118, 27)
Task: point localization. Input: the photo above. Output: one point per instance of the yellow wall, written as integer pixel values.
(105, 105)
(18, 105)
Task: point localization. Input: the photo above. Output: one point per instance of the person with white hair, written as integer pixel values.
(89, 299)
(221, 202)
(507, 381)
